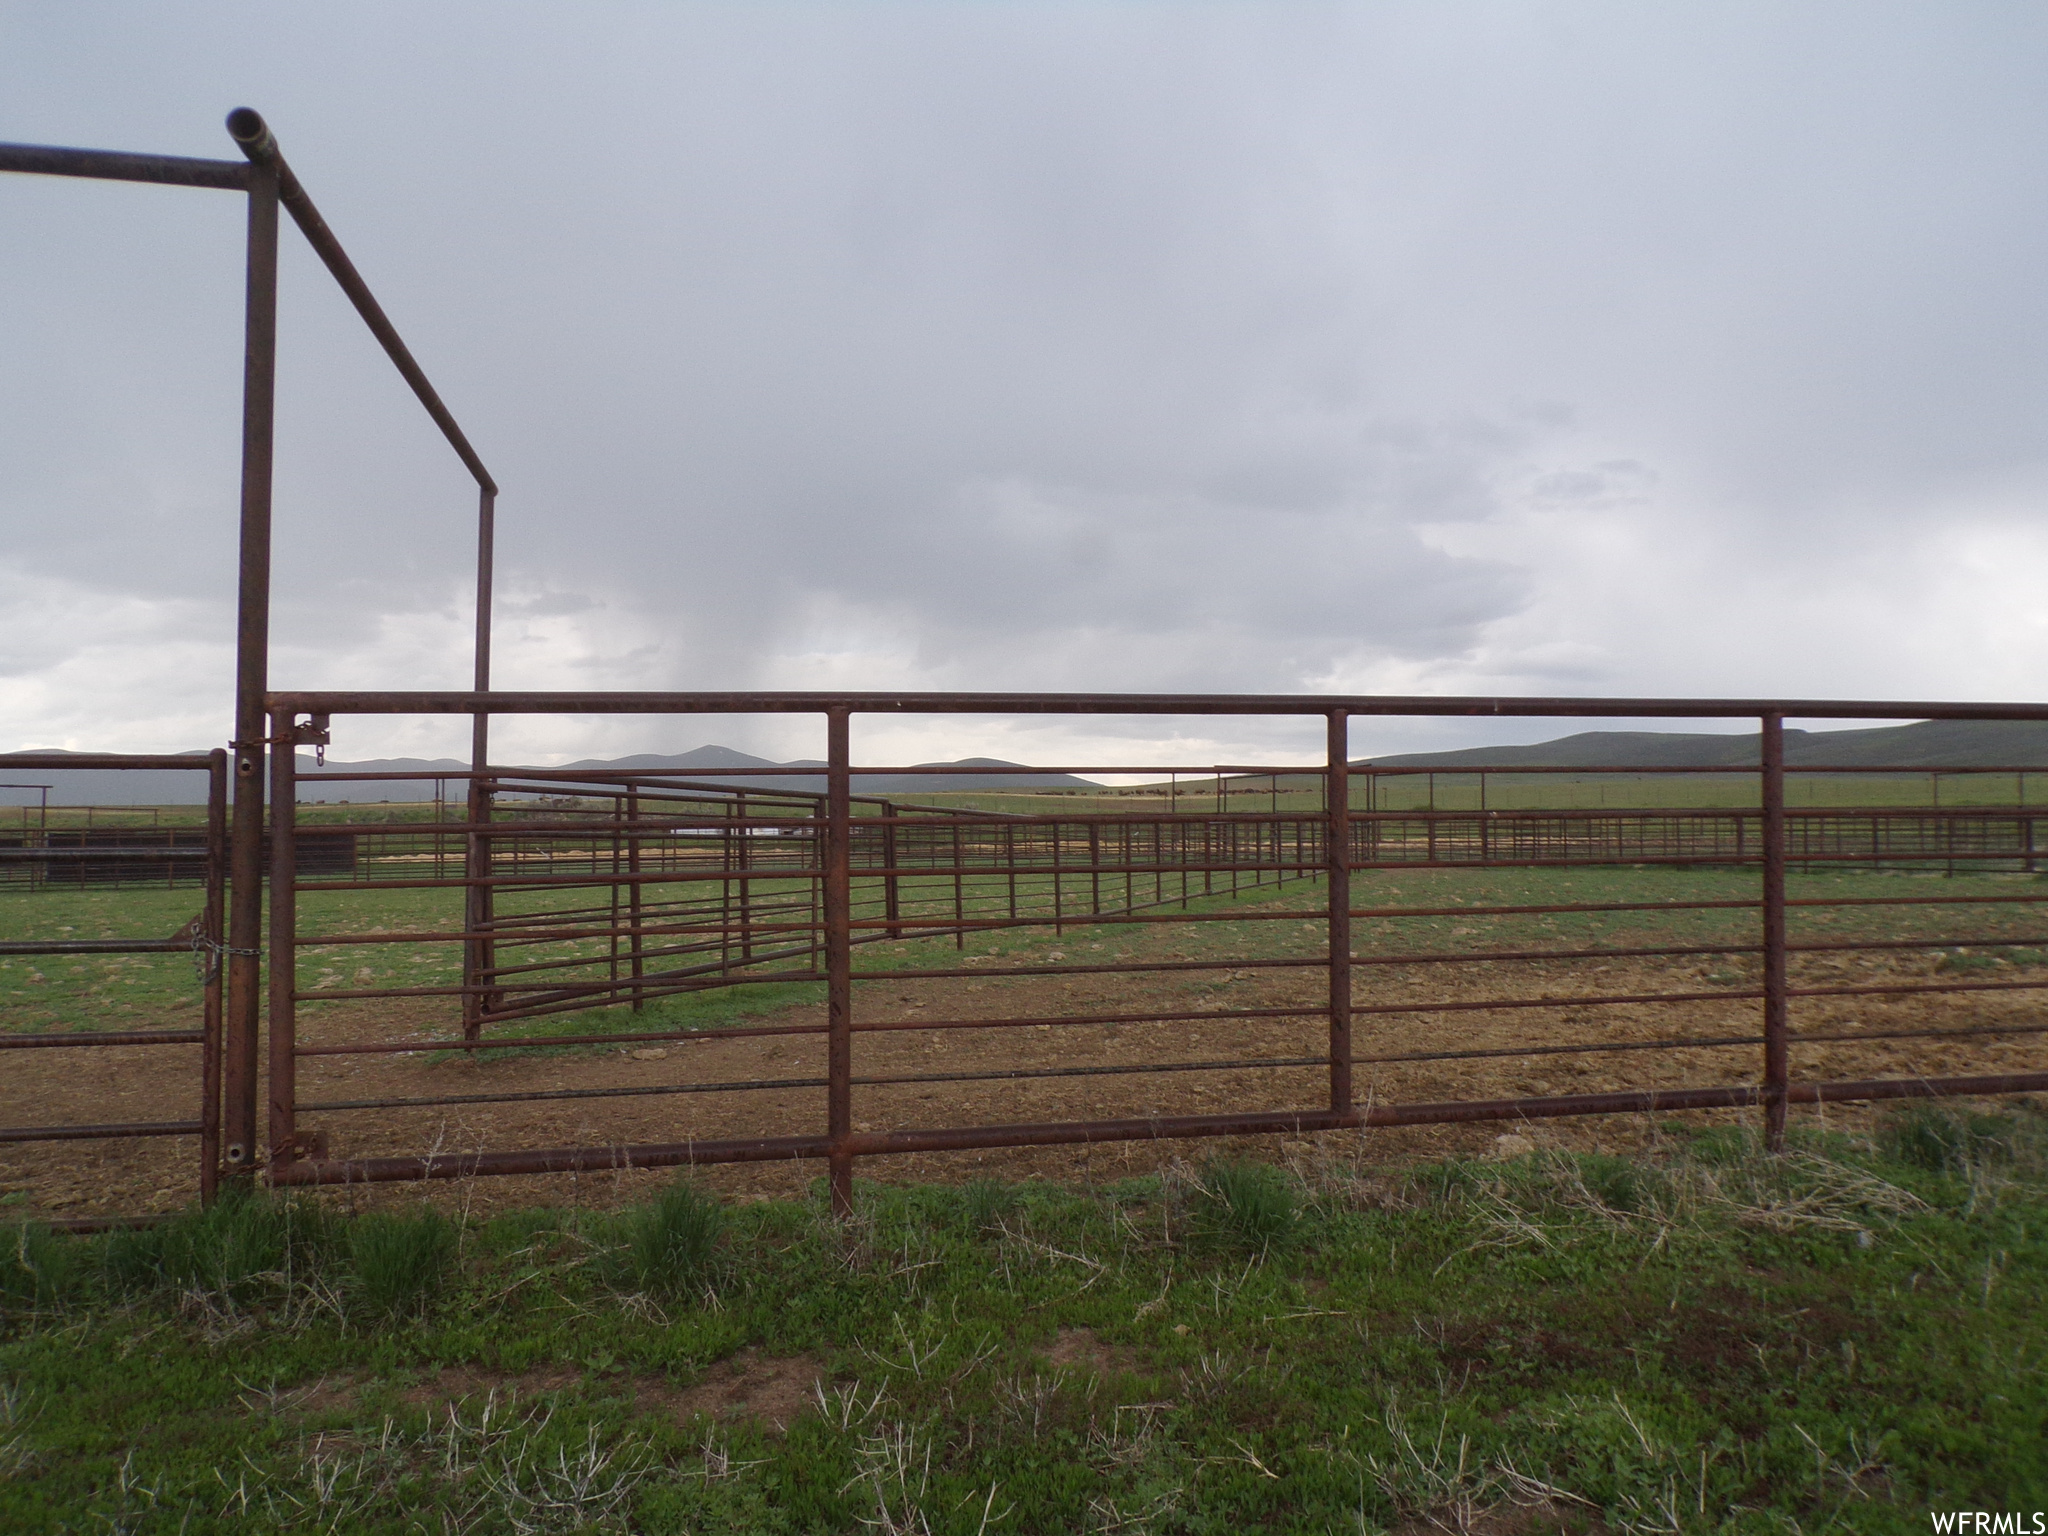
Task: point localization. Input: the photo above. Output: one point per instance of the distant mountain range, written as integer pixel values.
(1926, 744)
(108, 786)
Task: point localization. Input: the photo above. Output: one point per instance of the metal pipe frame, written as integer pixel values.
(269, 183)
(428, 702)
(1332, 846)
(872, 876)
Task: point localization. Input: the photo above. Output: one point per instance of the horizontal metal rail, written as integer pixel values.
(377, 1170)
(1121, 1069)
(804, 702)
(107, 1037)
(17, 1133)
(95, 946)
(132, 853)
(515, 778)
(118, 165)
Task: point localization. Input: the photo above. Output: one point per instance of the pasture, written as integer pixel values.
(1695, 1338)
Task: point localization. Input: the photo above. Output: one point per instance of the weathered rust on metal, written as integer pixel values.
(115, 1132)
(213, 924)
(479, 951)
(95, 946)
(1337, 848)
(121, 165)
(254, 138)
(103, 1037)
(281, 1123)
(383, 1170)
(183, 761)
(429, 702)
(1777, 1054)
(1311, 773)
(243, 1026)
(837, 910)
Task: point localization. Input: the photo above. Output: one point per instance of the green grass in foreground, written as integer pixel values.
(1704, 1340)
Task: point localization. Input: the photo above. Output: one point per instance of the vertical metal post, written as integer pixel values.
(618, 857)
(838, 883)
(1337, 807)
(1376, 803)
(891, 897)
(252, 660)
(814, 916)
(743, 861)
(210, 924)
(959, 894)
(2020, 804)
(1059, 837)
(479, 952)
(284, 793)
(633, 898)
(1777, 1052)
(1095, 869)
(728, 861)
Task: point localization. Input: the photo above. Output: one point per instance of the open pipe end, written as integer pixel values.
(247, 128)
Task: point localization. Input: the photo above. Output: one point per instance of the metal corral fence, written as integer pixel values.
(659, 888)
(643, 885)
(199, 857)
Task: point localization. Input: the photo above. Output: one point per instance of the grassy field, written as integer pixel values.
(1704, 1339)
(1505, 790)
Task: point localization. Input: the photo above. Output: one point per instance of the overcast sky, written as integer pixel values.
(1433, 347)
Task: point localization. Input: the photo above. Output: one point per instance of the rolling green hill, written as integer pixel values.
(1924, 744)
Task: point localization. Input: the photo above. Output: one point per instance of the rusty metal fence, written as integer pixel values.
(700, 886)
(643, 890)
(99, 865)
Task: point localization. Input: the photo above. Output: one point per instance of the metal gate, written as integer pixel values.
(45, 861)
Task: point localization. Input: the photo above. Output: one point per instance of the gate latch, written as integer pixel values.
(312, 732)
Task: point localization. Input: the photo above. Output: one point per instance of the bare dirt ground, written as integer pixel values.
(133, 1084)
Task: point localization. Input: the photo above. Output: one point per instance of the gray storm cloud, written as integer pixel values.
(1577, 348)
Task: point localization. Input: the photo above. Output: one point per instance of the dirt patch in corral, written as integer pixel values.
(771, 1390)
(459, 1383)
(1084, 1352)
(86, 1179)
